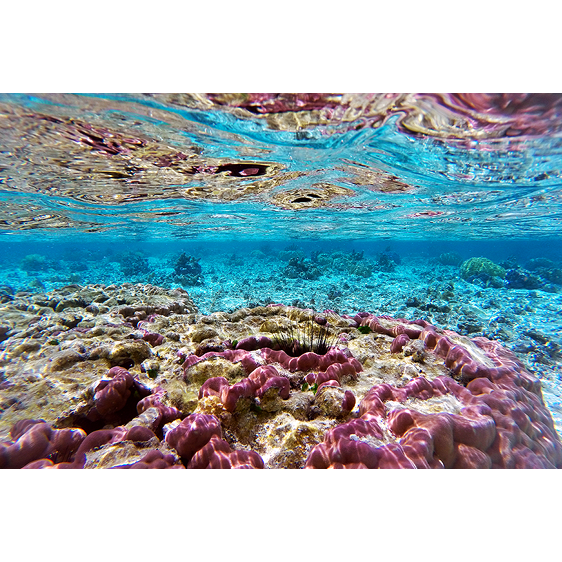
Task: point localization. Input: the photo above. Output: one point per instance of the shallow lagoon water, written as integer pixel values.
(327, 202)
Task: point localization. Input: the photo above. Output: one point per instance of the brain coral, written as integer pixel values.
(477, 266)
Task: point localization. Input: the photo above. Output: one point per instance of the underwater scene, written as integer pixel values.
(280, 281)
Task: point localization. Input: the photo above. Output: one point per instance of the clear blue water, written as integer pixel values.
(88, 180)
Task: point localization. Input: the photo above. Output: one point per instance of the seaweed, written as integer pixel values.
(313, 387)
(152, 373)
(255, 408)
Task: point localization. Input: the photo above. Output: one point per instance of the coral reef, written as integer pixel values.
(132, 263)
(353, 262)
(301, 268)
(326, 263)
(449, 258)
(36, 262)
(224, 393)
(187, 270)
(481, 268)
(387, 260)
(502, 422)
(519, 278)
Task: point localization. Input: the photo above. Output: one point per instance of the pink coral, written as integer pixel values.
(193, 433)
(35, 440)
(111, 395)
(503, 424)
(167, 413)
(218, 454)
(500, 420)
(256, 384)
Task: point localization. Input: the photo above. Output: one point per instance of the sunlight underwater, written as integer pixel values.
(280, 281)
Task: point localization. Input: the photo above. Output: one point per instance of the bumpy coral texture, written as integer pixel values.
(198, 440)
(503, 424)
(502, 421)
(475, 267)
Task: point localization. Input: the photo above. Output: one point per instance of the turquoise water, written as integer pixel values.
(113, 189)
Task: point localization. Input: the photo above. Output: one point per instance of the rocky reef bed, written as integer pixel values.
(134, 376)
(521, 310)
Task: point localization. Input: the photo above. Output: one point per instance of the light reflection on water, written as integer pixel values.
(327, 167)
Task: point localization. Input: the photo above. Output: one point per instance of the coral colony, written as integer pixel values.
(274, 386)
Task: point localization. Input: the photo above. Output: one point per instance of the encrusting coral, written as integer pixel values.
(229, 390)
